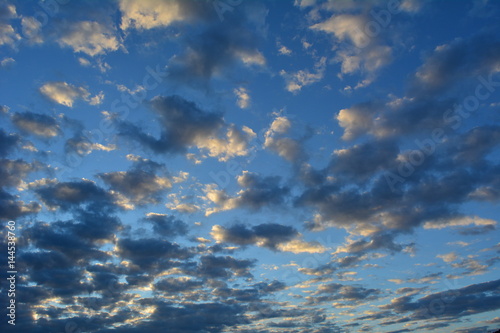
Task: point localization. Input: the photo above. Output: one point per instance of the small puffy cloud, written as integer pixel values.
(7, 62)
(358, 50)
(300, 246)
(97, 99)
(8, 36)
(286, 147)
(243, 97)
(356, 120)
(66, 94)
(32, 29)
(149, 14)
(297, 80)
(345, 27)
(235, 143)
(82, 145)
(279, 125)
(92, 38)
(63, 93)
(182, 204)
(448, 257)
(37, 124)
(84, 62)
(283, 50)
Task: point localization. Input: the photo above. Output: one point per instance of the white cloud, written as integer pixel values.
(89, 37)
(84, 62)
(359, 49)
(461, 221)
(97, 99)
(148, 14)
(8, 36)
(7, 62)
(66, 94)
(32, 29)
(300, 246)
(235, 143)
(283, 50)
(345, 27)
(295, 81)
(448, 257)
(355, 121)
(243, 97)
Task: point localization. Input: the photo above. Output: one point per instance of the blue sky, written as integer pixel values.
(251, 166)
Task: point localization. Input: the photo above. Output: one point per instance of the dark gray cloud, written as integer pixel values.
(175, 286)
(69, 195)
(454, 303)
(144, 183)
(451, 63)
(224, 267)
(138, 186)
(342, 293)
(258, 192)
(166, 225)
(8, 142)
(38, 124)
(269, 235)
(11, 207)
(217, 47)
(182, 124)
(151, 253)
(432, 99)
(13, 172)
(362, 161)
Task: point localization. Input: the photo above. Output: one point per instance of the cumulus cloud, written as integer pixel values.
(151, 14)
(273, 236)
(258, 192)
(68, 195)
(358, 50)
(472, 299)
(455, 61)
(32, 30)
(278, 139)
(66, 94)
(8, 142)
(297, 80)
(243, 97)
(7, 62)
(8, 35)
(423, 108)
(184, 124)
(90, 37)
(140, 185)
(219, 47)
(166, 225)
(82, 145)
(459, 221)
(37, 124)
